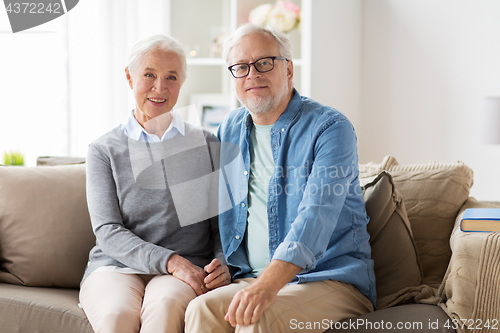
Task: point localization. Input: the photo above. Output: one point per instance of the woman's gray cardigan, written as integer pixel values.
(150, 200)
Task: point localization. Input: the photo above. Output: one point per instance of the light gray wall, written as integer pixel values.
(427, 65)
(412, 76)
(336, 55)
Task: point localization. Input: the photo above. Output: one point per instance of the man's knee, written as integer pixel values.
(206, 313)
(207, 305)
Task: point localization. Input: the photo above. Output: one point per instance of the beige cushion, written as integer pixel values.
(433, 194)
(393, 250)
(45, 230)
(43, 310)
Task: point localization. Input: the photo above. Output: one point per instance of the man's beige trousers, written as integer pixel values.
(298, 307)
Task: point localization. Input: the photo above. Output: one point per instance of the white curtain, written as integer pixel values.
(100, 36)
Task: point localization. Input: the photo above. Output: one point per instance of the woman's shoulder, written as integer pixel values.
(109, 141)
(114, 136)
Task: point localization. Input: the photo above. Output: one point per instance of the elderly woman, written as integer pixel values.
(158, 245)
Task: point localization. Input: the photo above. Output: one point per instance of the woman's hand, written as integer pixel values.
(218, 275)
(191, 274)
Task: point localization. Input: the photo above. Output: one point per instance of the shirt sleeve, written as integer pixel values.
(333, 170)
(217, 245)
(114, 239)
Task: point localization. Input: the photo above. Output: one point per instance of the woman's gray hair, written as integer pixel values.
(154, 43)
(281, 39)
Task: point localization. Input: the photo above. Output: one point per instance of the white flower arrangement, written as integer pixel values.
(283, 15)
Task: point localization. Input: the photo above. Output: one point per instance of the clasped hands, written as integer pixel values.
(249, 303)
(214, 275)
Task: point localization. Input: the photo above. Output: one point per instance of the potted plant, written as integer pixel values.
(13, 158)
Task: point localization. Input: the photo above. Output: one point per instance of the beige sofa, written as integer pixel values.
(45, 236)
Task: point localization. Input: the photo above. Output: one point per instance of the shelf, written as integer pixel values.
(201, 26)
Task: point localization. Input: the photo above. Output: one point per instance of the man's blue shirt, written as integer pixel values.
(316, 215)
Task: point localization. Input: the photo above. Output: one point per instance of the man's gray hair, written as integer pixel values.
(155, 43)
(281, 39)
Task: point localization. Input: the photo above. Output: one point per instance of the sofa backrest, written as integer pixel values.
(45, 229)
(433, 194)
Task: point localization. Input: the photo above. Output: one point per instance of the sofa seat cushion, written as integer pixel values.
(397, 267)
(433, 195)
(408, 318)
(41, 310)
(45, 229)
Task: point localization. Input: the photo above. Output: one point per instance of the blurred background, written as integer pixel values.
(412, 75)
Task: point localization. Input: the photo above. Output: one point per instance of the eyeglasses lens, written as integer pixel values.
(261, 65)
(264, 65)
(240, 70)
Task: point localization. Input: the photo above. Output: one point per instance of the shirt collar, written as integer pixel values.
(177, 122)
(134, 130)
(291, 110)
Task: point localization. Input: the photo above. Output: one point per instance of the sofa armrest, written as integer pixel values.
(470, 289)
(58, 160)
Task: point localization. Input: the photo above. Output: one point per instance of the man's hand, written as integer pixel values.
(218, 275)
(249, 303)
(191, 274)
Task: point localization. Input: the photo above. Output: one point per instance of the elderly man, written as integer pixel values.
(297, 244)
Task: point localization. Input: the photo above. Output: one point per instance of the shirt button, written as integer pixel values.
(237, 237)
(245, 173)
(282, 129)
(243, 204)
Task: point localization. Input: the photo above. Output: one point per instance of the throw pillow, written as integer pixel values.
(45, 229)
(397, 267)
(433, 194)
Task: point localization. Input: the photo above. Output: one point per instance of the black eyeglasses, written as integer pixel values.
(261, 65)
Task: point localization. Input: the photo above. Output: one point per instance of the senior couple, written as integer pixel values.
(276, 257)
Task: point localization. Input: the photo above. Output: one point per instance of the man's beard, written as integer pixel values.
(260, 105)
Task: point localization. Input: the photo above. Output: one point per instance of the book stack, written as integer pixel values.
(481, 219)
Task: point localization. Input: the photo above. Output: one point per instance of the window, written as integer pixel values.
(33, 90)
